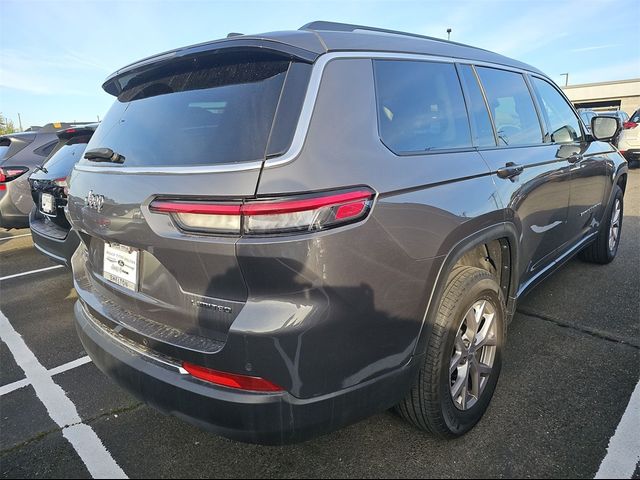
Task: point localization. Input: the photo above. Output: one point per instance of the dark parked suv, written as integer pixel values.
(50, 229)
(288, 232)
(20, 153)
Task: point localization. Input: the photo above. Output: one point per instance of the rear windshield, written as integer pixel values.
(67, 153)
(202, 113)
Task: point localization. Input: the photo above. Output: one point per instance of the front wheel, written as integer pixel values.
(605, 247)
(463, 358)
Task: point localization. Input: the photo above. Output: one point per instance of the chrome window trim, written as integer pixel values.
(174, 170)
(304, 121)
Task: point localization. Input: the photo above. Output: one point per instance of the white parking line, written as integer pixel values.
(31, 272)
(62, 411)
(10, 387)
(70, 365)
(623, 453)
(15, 236)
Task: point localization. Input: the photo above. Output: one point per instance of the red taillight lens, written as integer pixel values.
(259, 217)
(231, 380)
(8, 174)
(629, 125)
(60, 182)
(11, 173)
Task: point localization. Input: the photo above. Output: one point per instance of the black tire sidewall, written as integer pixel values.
(458, 422)
(617, 196)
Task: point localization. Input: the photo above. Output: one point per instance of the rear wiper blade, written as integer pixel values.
(103, 155)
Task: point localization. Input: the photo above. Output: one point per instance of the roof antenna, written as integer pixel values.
(448, 34)
(234, 34)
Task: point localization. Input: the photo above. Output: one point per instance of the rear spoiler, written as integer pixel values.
(117, 82)
(79, 129)
(55, 127)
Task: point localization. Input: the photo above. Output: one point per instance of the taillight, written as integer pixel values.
(8, 174)
(629, 125)
(60, 182)
(231, 380)
(300, 213)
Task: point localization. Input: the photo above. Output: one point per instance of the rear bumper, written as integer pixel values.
(52, 240)
(274, 418)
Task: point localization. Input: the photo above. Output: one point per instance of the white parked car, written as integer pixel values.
(629, 142)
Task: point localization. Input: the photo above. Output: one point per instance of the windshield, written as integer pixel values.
(67, 154)
(210, 114)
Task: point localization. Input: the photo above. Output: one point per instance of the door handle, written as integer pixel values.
(510, 170)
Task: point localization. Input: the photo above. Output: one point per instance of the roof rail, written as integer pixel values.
(347, 27)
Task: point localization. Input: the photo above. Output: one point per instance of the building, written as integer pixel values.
(617, 95)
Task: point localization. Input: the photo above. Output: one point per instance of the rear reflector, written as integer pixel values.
(301, 213)
(231, 380)
(629, 125)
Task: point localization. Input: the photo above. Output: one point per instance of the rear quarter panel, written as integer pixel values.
(356, 297)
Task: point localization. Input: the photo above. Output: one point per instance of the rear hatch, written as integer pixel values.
(196, 127)
(10, 145)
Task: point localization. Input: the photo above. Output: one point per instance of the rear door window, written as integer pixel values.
(204, 112)
(563, 124)
(482, 129)
(511, 106)
(420, 106)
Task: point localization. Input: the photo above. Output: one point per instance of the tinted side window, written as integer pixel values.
(420, 106)
(562, 122)
(480, 121)
(512, 107)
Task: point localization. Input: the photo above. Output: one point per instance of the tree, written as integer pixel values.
(6, 125)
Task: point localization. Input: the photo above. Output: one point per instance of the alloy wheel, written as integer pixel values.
(614, 230)
(474, 353)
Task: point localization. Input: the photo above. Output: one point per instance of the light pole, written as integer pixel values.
(566, 80)
(448, 34)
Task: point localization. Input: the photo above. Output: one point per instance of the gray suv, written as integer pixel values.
(285, 233)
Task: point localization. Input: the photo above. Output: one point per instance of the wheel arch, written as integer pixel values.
(505, 234)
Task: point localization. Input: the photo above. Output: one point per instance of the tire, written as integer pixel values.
(601, 250)
(430, 405)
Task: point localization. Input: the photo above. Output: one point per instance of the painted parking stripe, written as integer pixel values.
(31, 272)
(10, 387)
(62, 411)
(15, 236)
(623, 453)
(70, 366)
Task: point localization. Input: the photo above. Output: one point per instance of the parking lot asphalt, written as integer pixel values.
(572, 363)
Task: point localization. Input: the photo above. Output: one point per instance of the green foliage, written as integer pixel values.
(6, 125)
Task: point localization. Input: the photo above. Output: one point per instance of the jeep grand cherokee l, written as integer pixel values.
(285, 233)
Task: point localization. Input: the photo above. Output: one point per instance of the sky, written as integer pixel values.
(55, 55)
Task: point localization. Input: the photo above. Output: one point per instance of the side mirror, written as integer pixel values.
(604, 128)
